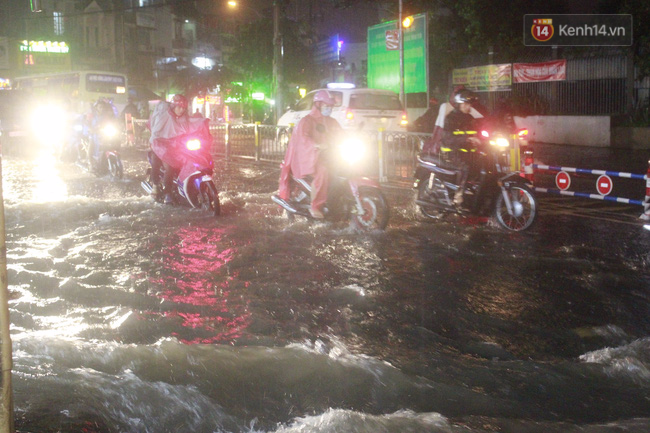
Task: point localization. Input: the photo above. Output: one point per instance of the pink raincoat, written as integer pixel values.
(302, 157)
(166, 128)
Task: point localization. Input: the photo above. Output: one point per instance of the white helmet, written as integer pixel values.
(324, 96)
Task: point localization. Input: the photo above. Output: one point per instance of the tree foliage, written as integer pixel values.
(640, 11)
(253, 54)
(195, 81)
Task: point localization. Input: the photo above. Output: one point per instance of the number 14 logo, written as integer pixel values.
(542, 29)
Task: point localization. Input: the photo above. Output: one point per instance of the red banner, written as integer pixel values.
(392, 39)
(546, 71)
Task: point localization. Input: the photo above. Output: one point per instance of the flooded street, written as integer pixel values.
(132, 316)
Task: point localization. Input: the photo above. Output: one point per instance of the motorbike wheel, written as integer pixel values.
(115, 167)
(524, 206)
(210, 198)
(376, 211)
(425, 194)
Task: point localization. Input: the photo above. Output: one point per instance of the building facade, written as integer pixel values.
(149, 40)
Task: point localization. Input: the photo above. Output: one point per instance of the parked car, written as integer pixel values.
(359, 109)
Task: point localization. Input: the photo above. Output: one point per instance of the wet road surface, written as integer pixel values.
(133, 316)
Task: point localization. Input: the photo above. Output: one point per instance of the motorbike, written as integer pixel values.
(109, 161)
(493, 186)
(197, 189)
(351, 197)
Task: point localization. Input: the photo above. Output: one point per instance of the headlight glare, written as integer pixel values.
(109, 131)
(352, 151)
(193, 144)
(500, 142)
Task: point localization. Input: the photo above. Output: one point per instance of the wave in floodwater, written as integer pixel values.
(313, 387)
(130, 316)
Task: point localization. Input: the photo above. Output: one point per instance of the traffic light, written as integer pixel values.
(35, 5)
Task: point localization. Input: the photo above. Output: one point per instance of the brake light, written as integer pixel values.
(193, 144)
(522, 133)
(485, 134)
(405, 120)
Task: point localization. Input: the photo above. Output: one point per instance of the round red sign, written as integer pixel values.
(542, 29)
(563, 180)
(604, 185)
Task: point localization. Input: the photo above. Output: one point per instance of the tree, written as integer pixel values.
(640, 11)
(195, 81)
(252, 58)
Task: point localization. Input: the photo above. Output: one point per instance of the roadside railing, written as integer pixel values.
(393, 153)
(397, 154)
(258, 142)
(594, 184)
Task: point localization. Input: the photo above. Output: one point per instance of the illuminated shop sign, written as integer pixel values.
(45, 47)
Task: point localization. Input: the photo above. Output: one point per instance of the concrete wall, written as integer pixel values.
(594, 131)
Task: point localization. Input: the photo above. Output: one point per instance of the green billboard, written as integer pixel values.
(383, 56)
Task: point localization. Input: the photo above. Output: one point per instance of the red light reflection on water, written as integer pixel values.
(193, 279)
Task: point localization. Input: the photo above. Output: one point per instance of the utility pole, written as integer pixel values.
(402, 96)
(6, 361)
(278, 78)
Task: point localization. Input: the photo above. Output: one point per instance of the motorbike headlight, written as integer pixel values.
(352, 151)
(109, 131)
(193, 144)
(500, 142)
(48, 124)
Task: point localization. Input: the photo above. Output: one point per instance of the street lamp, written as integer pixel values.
(233, 5)
(278, 52)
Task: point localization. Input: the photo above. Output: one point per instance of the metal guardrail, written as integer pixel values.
(249, 141)
(394, 152)
(265, 143)
(398, 153)
(604, 185)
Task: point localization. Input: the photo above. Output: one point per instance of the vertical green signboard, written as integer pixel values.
(383, 56)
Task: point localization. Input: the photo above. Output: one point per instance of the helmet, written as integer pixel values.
(324, 96)
(102, 107)
(463, 95)
(179, 101)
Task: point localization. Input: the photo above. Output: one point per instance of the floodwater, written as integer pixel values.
(131, 316)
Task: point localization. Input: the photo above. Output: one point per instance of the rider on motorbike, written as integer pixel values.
(168, 122)
(305, 151)
(432, 145)
(460, 128)
(102, 112)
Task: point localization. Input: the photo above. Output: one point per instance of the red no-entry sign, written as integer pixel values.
(604, 185)
(563, 180)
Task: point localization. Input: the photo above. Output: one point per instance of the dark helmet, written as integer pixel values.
(463, 95)
(102, 107)
(179, 101)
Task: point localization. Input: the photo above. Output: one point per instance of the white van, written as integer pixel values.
(360, 109)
